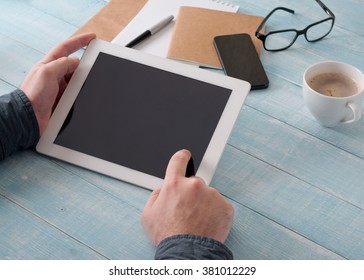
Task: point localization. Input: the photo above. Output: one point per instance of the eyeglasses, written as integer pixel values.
(282, 39)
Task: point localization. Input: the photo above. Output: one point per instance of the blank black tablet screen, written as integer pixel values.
(138, 116)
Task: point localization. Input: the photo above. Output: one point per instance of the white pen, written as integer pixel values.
(154, 29)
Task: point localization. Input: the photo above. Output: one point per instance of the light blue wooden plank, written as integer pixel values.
(318, 216)
(133, 195)
(70, 11)
(283, 101)
(351, 13)
(322, 216)
(301, 155)
(25, 236)
(249, 238)
(34, 32)
(90, 215)
(291, 245)
(16, 60)
(5, 87)
(255, 237)
(32, 27)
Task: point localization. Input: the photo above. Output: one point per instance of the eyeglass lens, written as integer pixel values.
(284, 39)
(280, 40)
(317, 31)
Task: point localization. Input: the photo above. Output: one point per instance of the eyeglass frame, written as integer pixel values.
(263, 37)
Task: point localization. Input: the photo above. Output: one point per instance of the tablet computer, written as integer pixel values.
(124, 114)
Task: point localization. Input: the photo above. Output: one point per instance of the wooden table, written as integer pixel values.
(297, 188)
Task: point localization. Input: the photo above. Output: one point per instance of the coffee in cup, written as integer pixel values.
(334, 84)
(333, 92)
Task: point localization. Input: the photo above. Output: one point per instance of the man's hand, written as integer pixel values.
(47, 80)
(186, 206)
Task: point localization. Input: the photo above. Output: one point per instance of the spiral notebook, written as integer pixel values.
(153, 12)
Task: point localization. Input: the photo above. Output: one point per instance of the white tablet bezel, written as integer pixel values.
(209, 162)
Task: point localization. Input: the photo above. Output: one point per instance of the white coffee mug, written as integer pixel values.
(329, 110)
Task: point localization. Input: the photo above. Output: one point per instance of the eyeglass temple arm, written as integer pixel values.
(268, 16)
(326, 9)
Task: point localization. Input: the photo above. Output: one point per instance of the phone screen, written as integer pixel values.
(240, 59)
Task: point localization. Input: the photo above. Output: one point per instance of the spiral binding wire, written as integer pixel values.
(224, 3)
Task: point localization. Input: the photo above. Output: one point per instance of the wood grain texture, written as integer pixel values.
(69, 203)
(297, 188)
(26, 236)
(5, 87)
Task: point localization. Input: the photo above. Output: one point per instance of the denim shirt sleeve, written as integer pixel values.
(18, 124)
(192, 247)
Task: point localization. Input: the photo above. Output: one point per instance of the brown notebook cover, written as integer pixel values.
(195, 29)
(112, 18)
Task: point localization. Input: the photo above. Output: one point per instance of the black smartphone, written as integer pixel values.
(240, 59)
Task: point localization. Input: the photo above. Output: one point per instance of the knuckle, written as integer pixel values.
(230, 209)
(51, 69)
(215, 192)
(225, 203)
(156, 192)
(196, 183)
(46, 71)
(173, 181)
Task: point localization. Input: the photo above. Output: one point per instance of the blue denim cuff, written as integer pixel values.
(192, 247)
